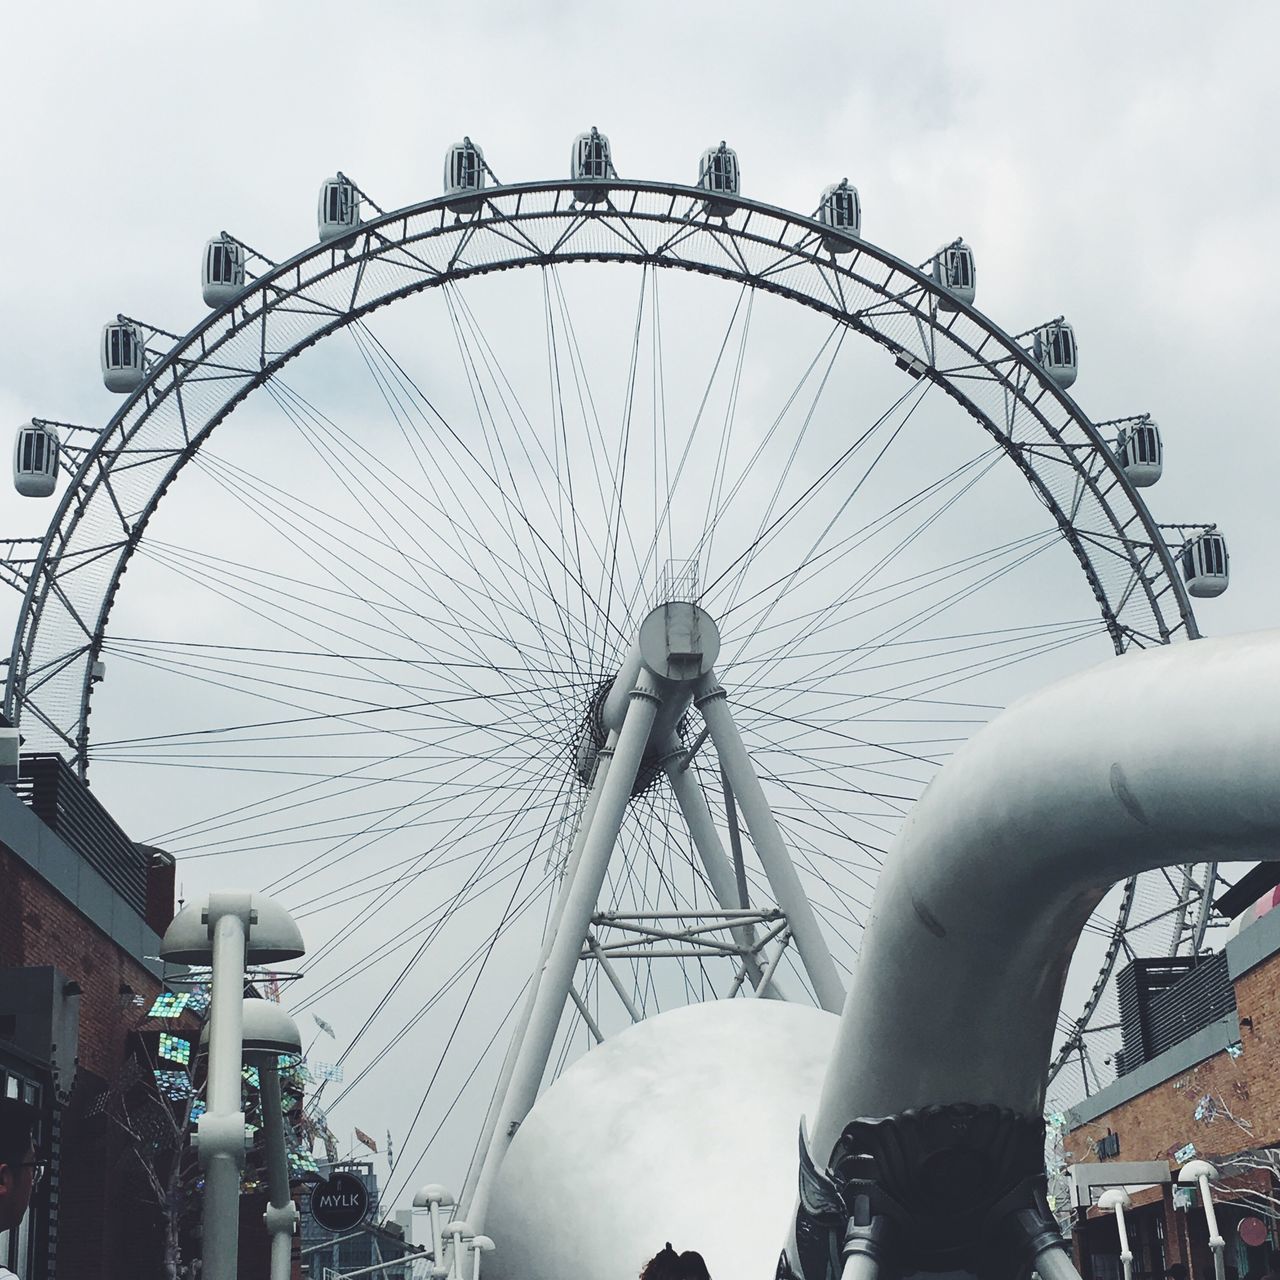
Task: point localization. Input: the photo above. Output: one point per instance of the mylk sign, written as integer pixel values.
(340, 1202)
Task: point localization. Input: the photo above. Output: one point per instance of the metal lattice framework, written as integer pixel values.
(118, 482)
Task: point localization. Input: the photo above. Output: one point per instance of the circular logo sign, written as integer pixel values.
(339, 1202)
(1253, 1231)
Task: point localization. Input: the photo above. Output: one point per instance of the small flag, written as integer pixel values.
(368, 1141)
(325, 1027)
(391, 1162)
(1183, 1154)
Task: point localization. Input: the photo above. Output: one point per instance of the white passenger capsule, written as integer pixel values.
(35, 461)
(1205, 566)
(841, 210)
(591, 166)
(124, 356)
(1055, 350)
(222, 277)
(953, 269)
(1141, 452)
(338, 210)
(463, 176)
(718, 173)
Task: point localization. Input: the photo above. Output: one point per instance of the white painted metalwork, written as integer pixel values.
(1140, 450)
(435, 1198)
(718, 173)
(1118, 1200)
(1198, 1173)
(338, 209)
(1206, 565)
(841, 210)
(1055, 350)
(464, 175)
(228, 930)
(223, 271)
(1022, 831)
(954, 270)
(193, 387)
(591, 167)
(124, 356)
(35, 460)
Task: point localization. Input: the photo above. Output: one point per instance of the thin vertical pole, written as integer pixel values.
(771, 850)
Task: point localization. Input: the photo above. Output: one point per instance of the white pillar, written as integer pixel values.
(702, 830)
(582, 894)
(221, 1129)
(766, 837)
(603, 763)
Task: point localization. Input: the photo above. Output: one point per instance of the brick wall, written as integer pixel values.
(1156, 1123)
(38, 926)
(98, 1220)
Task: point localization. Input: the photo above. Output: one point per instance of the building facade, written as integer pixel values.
(1200, 1079)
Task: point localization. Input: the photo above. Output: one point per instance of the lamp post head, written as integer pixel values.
(433, 1195)
(270, 933)
(1115, 1198)
(268, 1029)
(1194, 1170)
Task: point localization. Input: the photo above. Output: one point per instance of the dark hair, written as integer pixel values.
(17, 1122)
(692, 1266)
(662, 1266)
(669, 1265)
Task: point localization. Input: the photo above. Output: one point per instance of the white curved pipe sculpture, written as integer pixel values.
(1155, 759)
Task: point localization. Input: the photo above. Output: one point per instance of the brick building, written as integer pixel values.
(1199, 1078)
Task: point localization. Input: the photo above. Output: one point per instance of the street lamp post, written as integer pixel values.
(1117, 1199)
(228, 931)
(1200, 1171)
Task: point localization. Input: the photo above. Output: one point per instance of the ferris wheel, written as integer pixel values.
(386, 628)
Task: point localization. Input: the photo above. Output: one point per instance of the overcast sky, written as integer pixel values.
(1112, 163)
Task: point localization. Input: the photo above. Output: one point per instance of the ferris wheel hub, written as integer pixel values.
(677, 643)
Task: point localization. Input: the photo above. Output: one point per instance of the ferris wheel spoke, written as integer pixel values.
(409, 503)
(492, 484)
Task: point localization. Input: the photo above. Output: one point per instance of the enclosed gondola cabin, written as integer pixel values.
(463, 176)
(222, 277)
(338, 209)
(954, 271)
(841, 210)
(1141, 452)
(35, 460)
(590, 167)
(124, 356)
(718, 173)
(1205, 566)
(1055, 350)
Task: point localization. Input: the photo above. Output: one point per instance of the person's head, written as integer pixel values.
(692, 1267)
(17, 1160)
(662, 1266)
(670, 1265)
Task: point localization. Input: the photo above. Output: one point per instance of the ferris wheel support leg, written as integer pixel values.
(702, 829)
(581, 895)
(789, 892)
(603, 764)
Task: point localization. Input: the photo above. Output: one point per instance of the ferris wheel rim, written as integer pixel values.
(93, 473)
(269, 281)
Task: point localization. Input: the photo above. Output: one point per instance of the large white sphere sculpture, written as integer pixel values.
(682, 1128)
